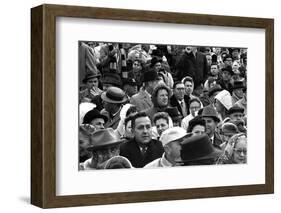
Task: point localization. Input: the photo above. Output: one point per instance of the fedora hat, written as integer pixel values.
(103, 138)
(198, 148)
(92, 114)
(173, 113)
(89, 76)
(235, 109)
(210, 111)
(114, 95)
(112, 78)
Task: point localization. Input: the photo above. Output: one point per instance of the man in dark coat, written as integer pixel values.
(179, 99)
(142, 149)
(194, 64)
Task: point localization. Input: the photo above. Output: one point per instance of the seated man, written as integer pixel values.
(104, 145)
(170, 139)
(142, 149)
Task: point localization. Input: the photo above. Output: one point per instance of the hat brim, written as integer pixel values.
(93, 76)
(102, 146)
(215, 154)
(106, 99)
(216, 119)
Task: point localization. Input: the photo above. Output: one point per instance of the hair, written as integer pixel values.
(159, 87)
(161, 115)
(198, 120)
(194, 100)
(187, 78)
(176, 83)
(128, 118)
(131, 110)
(136, 116)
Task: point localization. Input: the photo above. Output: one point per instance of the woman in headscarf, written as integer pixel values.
(235, 151)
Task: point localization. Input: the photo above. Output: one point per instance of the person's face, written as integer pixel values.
(198, 130)
(130, 90)
(162, 98)
(240, 151)
(142, 130)
(110, 107)
(190, 49)
(194, 107)
(136, 66)
(179, 91)
(98, 123)
(210, 126)
(238, 92)
(173, 150)
(235, 67)
(161, 125)
(217, 50)
(176, 123)
(105, 86)
(226, 136)
(228, 62)
(158, 66)
(209, 59)
(226, 76)
(93, 82)
(188, 87)
(128, 130)
(236, 116)
(218, 106)
(235, 54)
(214, 70)
(103, 155)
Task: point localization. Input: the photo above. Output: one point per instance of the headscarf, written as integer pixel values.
(227, 156)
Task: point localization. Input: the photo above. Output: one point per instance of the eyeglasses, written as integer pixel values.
(239, 151)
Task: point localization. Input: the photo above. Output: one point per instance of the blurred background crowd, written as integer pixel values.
(145, 105)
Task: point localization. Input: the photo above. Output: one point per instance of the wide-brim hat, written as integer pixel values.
(210, 111)
(93, 114)
(174, 113)
(235, 109)
(103, 138)
(198, 148)
(112, 78)
(114, 95)
(89, 76)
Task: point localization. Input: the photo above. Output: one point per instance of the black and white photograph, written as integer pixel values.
(161, 105)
